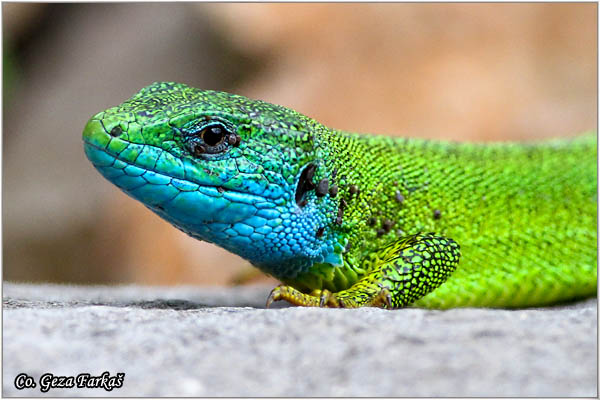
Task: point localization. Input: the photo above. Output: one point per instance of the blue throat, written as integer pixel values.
(274, 234)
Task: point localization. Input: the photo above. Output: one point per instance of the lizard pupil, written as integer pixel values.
(213, 135)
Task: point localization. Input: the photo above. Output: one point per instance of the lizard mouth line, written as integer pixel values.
(219, 191)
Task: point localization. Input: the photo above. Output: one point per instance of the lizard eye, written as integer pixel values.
(210, 139)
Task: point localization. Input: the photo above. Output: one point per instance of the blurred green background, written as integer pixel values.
(454, 71)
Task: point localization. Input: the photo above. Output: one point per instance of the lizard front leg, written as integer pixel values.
(398, 274)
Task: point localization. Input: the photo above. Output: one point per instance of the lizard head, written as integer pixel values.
(224, 169)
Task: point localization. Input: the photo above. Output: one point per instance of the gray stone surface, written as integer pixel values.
(191, 341)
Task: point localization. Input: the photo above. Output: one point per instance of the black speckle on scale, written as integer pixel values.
(322, 188)
(333, 190)
(387, 225)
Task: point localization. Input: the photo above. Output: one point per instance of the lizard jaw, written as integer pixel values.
(184, 203)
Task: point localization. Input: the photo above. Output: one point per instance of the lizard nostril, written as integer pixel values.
(116, 131)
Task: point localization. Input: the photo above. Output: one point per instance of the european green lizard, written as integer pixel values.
(348, 220)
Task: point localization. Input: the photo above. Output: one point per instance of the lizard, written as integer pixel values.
(351, 220)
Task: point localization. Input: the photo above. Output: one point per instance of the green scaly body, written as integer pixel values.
(349, 214)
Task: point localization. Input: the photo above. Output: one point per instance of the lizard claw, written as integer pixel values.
(383, 298)
(275, 295)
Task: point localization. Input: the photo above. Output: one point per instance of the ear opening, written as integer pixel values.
(305, 184)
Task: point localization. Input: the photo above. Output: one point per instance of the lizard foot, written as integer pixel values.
(325, 298)
(317, 298)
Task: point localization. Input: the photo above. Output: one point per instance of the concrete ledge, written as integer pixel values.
(192, 341)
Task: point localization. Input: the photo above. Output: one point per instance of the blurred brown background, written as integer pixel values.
(454, 71)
